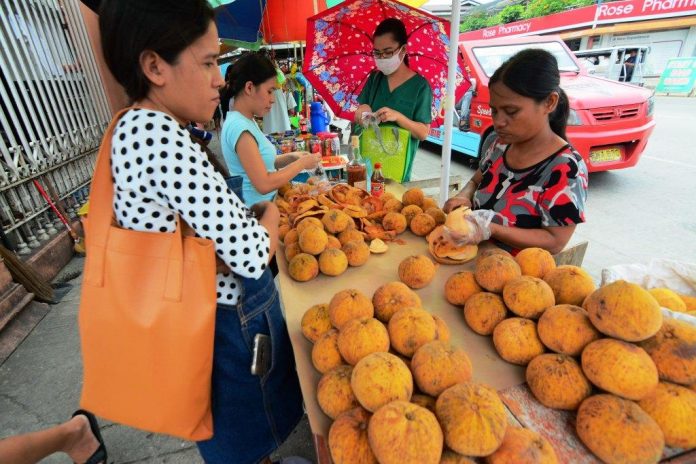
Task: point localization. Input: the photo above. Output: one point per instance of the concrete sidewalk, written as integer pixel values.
(40, 387)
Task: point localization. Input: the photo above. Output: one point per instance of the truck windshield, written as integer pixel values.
(490, 58)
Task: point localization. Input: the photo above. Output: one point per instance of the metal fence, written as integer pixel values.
(53, 112)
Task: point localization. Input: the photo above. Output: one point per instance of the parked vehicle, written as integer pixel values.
(609, 123)
(610, 62)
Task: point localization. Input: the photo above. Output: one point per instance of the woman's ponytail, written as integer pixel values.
(558, 120)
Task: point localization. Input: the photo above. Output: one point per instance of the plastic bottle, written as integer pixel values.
(356, 169)
(377, 181)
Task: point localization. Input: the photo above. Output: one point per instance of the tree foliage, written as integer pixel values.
(512, 13)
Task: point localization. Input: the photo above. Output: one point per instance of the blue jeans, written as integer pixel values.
(234, 183)
(252, 415)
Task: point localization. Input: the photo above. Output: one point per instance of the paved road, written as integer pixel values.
(633, 215)
(636, 214)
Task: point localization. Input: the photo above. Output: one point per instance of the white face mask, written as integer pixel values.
(389, 65)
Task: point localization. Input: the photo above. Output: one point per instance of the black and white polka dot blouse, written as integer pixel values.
(160, 172)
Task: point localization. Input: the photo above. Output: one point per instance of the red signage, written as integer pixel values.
(606, 13)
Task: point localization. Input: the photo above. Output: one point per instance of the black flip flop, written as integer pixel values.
(99, 456)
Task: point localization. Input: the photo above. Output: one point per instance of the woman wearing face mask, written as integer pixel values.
(248, 153)
(395, 93)
(531, 186)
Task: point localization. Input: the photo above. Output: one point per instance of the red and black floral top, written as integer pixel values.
(550, 193)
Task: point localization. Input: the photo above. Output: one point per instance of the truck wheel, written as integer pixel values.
(487, 142)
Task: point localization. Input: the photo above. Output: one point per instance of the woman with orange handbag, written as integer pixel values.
(163, 52)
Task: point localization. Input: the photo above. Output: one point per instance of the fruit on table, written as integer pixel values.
(333, 262)
(393, 205)
(425, 401)
(689, 301)
(450, 457)
(357, 252)
(411, 328)
(566, 329)
(668, 299)
(495, 271)
(484, 311)
(394, 221)
(349, 304)
(348, 441)
(472, 417)
(446, 252)
(460, 286)
(336, 221)
(437, 365)
(673, 349)
(557, 381)
(625, 311)
(428, 203)
(535, 262)
(516, 340)
(303, 267)
(291, 237)
(422, 224)
(380, 378)
(313, 240)
(621, 368)
(350, 235)
(334, 394)
(292, 250)
(334, 242)
(325, 354)
(528, 296)
(618, 431)
(487, 250)
(442, 331)
(410, 212)
(402, 432)
(673, 407)
(308, 222)
(360, 337)
(523, 446)
(392, 297)
(570, 284)
(417, 271)
(437, 214)
(316, 322)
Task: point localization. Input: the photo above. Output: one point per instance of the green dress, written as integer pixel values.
(413, 99)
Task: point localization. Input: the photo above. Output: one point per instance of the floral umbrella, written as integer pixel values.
(339, 52)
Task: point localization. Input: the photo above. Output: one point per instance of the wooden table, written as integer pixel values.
(523, 409)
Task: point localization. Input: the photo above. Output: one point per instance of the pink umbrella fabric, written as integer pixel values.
(339, 52)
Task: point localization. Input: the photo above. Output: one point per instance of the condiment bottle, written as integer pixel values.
(356, 169)
(377, 181)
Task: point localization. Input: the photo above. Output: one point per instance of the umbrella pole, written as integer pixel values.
(446, 157)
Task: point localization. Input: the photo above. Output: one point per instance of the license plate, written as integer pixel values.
(605, 155)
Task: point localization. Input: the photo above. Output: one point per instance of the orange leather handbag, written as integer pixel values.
(147, 320)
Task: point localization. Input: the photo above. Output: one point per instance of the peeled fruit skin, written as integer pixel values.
(668, 299)
(625, 311)
(377, 246)
(333, 262)
(472, 417)
(348, 442)
(403, 432)
(483, 311)
(349, 304)
(673, 349)
(394, 221)
(336, 221)
(493, 272)
(315, 322)
(325, 354)
(566, 329)
(411, 328)
(516, 340)
(523, 446)
(422, 224)
(618, 431)
(356, 252)
(460, 286)
(416, 271)
(570, 284)
(673, 407)
(392, 297)
(436, 366)
(303, 267)
(535, 262)
(528, 296)
(313, 240)
(557, 381)
(620, 368)
(360, 337)
(334, 394)
(380, 378)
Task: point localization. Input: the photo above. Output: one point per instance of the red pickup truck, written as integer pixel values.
(609, 124)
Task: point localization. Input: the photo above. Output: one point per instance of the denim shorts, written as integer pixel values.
(252, 415)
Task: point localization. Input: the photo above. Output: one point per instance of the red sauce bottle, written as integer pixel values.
(377, 181)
